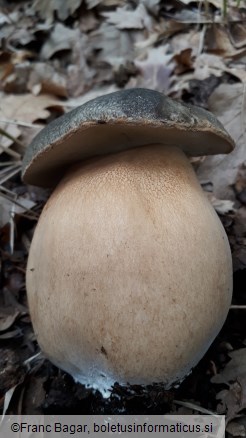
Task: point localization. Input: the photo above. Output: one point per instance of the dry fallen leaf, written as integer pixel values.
(88, 22)
(61, 38)
(92, 3)
(234, 375)
(26, 107)
(235, 369)
(230, 401)
(8, 208)
(45, 79)
(217, 41)
(156, 69)
(6, 320)
(236, 429)
(222, 206)
(79, 74)
(237, 33)
(207, 64)
(238, 239)
(227, 102)
(18, 110)
(125, 18)
(115, 46)
(16, 81)
(63, 8)
(6, 65)
(184, 61)
(151, 5)
(192, 39)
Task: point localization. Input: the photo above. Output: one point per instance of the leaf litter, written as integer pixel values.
(57, 55)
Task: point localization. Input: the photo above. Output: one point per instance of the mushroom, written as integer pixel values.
(129, 276)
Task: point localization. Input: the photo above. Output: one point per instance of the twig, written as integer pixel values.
(20, 123)
(5, 190)
(9, 175)
(32, 215)
(12, 229)
(235, 306)
(201, 39)
(7, 169)
(15, 140)
(193, 407)
(10, 163)
(36, 356)
(9, 152)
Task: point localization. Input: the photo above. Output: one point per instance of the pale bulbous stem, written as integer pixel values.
(129, 276)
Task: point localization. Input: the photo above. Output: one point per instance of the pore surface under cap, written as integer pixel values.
(118, 121)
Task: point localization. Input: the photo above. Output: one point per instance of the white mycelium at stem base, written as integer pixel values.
(129, 276)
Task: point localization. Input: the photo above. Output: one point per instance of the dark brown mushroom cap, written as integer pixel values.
(117, 121)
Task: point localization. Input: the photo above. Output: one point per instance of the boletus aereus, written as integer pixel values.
(129, 277)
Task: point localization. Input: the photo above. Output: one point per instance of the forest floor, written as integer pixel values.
(57, 55)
